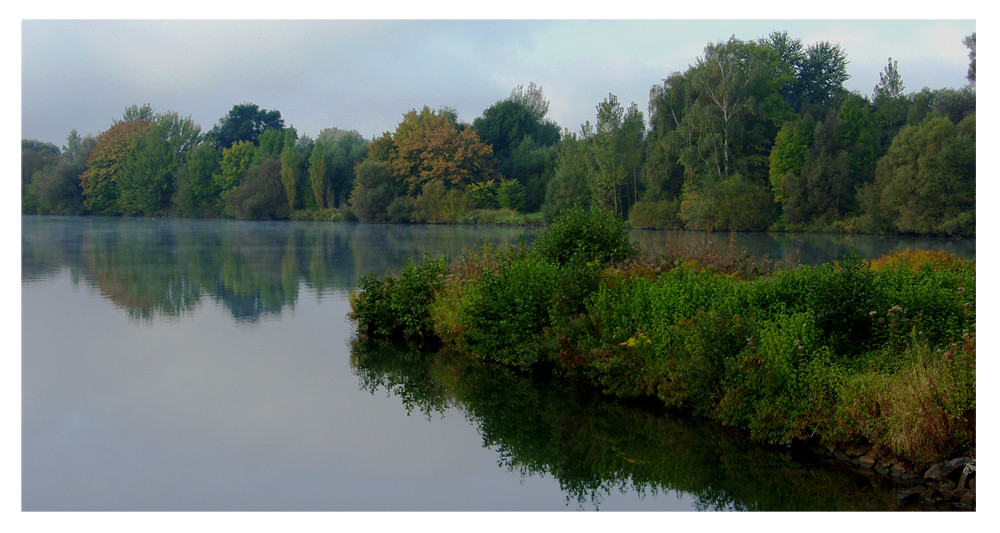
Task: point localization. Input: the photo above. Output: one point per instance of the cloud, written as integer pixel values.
(365, 75)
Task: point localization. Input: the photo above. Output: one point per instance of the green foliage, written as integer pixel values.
(788, 156)
(100, 179)
(506, 309)
(146, 175)
(244, 123)
(842, 298)
(510, 195)
(483, 195)
(260, 194)
(291, 171)
(398, 306)
(594, 236)
(35, 155)
(374, 192)
(236, 160)
(662, 214)
(196, 193)
(53, 185)
(437, 203)
(734, 204)
(571, 183)
(926, 181)
(617, 148)
(800, 352)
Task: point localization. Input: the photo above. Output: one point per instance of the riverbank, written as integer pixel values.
(879, 351)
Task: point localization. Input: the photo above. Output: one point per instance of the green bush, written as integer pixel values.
(842, 298)
(391, 306)
(483, 195)
(505, 310)
(596, 236)
(662, 214)
(511, 195)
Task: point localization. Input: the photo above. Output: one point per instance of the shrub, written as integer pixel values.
(506, 308)
(483, 195)
(391, 306)
(842, 298)
(437, 203)
(511, 195)
(594, 235)
(662, 214)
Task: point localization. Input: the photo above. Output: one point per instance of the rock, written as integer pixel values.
(969, 496)
(943, 470)
(858, 449)
(945, 491)
(907, 495)
(866, 461)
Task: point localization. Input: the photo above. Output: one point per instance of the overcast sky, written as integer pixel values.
(365, 75)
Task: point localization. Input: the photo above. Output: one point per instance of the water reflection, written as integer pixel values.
(597, 448)
(166, 267)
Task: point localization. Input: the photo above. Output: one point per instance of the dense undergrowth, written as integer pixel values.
(881, 351)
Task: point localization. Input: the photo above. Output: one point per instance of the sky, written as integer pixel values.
(365, 74)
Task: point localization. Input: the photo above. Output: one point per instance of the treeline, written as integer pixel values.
(754, 135)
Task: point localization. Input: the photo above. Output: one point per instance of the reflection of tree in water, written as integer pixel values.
(595, 447)
(165, 267)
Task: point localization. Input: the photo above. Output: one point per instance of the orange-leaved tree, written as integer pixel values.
(431, 146)
(98, 181)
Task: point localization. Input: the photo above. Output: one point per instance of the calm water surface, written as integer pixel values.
(177, 365)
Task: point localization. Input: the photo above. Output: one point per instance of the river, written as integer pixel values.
(208, 365)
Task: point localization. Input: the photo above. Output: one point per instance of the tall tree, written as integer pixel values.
(319, 181)
(926, 182)
(196, 193)
(343, 150)
(735, 88)
(617, 148)
(148, 173)
(244, 122)
(136, 112)
(531, 98)
(35, 155)
(891, 106)
(970, 43)
(374, 190)
(890, 83)
(236, 160)
(571, 182)
(99, 181)
(788, 156)
(260, 195)
(290, 168)
(56, 187)
(821, 75)
(428, 146)
(521, 140)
